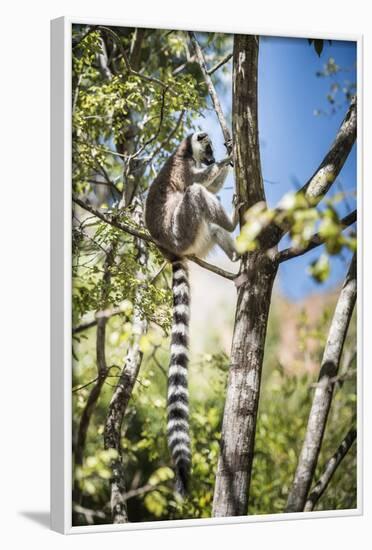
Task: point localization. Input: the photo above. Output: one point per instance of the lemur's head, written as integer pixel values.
(202, 150)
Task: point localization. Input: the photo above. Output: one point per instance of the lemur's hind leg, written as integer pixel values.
(223, 239)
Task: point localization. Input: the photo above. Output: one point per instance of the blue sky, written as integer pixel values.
(293, 140)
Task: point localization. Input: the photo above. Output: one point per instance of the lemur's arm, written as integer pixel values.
(217, 184)
(212, 177)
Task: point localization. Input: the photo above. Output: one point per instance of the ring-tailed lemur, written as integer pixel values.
(184, 217)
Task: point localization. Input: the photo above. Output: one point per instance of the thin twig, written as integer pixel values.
(212, 91)
(160, 366)
(101, 148)
(102, 376)
(330, 468)
(104, 314)
(165, 142)
(112, 220)
(222, 62)
(85, 326)
(129, 69)
(88, 513)
(336, 379)
(79, 388)
(140, 491)
(153, 138)
(325, 175)
(164, 265)
(213, 268)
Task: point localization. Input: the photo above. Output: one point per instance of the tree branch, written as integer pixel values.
(315, 241)
(88, 514)
(169, 136)
(323, 393)
(222, 62)
(111, 185)
(112, 220)
(152, 138)
(330, 468)
(107, 314)
(103, 61)
(212, 91)
(135, 48)
(140, 491)
(213, 268)
(128, 66)
(326, 174)
(123, 391)
(101, 148)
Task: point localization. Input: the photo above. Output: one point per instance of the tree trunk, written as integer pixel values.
(122, 394)
(114, 421)
(257, 273)
(240, 414)
(323, 394)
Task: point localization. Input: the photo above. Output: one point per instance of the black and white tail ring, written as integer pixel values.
(178, 401)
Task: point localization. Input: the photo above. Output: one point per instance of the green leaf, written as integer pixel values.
(320, 269)
(318, 45)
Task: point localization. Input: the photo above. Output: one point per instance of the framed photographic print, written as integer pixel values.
(205, 275)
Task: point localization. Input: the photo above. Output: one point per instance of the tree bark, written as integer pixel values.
(121, 396)
(326, 173)
(323, 394)
(255, 281)
(240, 413)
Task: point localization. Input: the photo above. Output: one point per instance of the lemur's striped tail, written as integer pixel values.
(178, 410)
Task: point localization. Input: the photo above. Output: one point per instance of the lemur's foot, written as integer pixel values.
(235, 256)
(237, 205)
(226, 161)
(236, 202)
(229, 144)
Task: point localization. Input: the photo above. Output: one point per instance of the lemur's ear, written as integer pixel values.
(186, 147)
(202, 136)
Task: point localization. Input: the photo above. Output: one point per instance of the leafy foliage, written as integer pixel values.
(126, 120)
(341, 89)
(304, 219)
(283, 411)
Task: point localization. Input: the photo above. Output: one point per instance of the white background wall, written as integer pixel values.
(24, 185)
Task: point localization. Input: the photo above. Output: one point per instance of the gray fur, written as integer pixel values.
(181, 209)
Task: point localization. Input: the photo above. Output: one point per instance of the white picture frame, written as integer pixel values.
(61, 341)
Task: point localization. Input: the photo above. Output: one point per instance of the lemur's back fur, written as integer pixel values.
(184, 217)
(165, 193)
